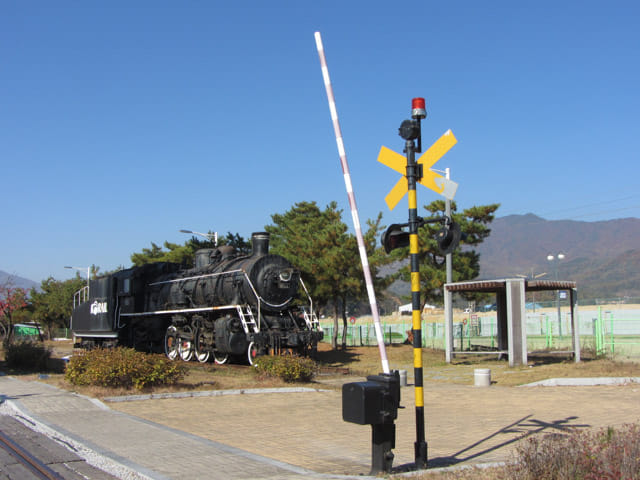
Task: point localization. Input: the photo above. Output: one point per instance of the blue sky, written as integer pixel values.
(122, 122)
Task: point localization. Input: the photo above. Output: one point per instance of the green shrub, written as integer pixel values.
(601, 454)
(288, 368)
(122, 368)
(27, 355)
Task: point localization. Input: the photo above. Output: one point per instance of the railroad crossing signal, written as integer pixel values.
(430, 179)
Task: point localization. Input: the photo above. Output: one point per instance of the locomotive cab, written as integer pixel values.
(95, 317)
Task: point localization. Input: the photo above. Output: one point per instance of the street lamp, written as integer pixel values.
(555, 260)
(531, 275)
(551, 258)
(82, 269)
(209, 236)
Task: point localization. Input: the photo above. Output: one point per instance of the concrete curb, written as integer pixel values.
(211, 393)
(584, 382)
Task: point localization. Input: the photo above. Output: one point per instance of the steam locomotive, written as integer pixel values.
(227, 306)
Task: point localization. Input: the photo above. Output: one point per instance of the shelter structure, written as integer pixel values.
(511, 315)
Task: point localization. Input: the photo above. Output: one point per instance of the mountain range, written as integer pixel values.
(16, 281)
(602, 257)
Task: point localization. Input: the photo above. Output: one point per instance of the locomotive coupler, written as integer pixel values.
(375, 402)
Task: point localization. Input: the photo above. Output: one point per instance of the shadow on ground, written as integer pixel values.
(508, 435)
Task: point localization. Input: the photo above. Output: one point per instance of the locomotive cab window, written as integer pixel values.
(125, 286)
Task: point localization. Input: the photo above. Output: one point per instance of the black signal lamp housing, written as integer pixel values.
(394, 237)
(409, 129)
(448, 238)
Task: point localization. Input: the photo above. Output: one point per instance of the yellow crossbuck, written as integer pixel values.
(430, 179)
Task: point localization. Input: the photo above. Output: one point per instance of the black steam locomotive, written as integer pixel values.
(228, 305)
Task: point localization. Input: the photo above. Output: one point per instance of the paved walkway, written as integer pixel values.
(302, 435)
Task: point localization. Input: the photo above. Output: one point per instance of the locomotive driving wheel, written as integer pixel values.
(171, 343)
(202, 353)
(185, 343)
(253, 352)
(220, 358)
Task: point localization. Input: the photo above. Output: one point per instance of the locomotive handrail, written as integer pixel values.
(81, 296)
(258, 297)
(176, 280)
(309, 297)
(180, 310)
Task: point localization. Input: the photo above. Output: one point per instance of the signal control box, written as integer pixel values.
(373, 402)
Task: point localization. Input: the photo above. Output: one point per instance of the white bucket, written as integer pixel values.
(403, 378)
(482, 377)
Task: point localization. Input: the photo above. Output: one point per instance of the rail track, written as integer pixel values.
(26, 454)
(32, 464)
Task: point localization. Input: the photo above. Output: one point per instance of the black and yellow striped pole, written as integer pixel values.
(410, 131)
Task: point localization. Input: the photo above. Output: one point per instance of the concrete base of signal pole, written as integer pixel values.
(421, 455)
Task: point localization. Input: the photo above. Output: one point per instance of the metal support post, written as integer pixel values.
(447, 213)
(383, 441)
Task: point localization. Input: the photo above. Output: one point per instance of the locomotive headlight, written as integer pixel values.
(286, 275)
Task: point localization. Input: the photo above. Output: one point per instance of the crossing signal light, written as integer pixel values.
(418, 109)
(448, 238)
(394, 237)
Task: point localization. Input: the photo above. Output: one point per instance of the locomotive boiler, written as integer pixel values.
(228, 305)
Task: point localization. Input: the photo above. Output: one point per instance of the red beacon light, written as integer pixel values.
(418, 109)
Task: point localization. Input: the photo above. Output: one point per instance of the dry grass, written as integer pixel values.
(366, 361)
(466, 473)
(608, 453)
(362, 361)
(201, 377)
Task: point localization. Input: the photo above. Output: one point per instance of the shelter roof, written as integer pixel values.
(500, 284)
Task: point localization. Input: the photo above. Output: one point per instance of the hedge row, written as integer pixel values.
(288, 368)
(123, 368)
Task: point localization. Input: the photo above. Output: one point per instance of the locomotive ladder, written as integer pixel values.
(247, 319)
(311, 319)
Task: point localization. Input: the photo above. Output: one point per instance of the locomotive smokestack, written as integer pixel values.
(260, 243)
